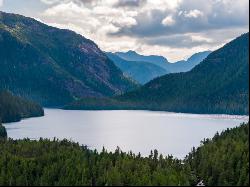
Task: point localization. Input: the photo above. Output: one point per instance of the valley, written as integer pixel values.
(76, 110)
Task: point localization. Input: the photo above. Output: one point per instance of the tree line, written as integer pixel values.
(223, 160)
(14, 108)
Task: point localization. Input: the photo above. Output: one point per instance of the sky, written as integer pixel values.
(175, 29)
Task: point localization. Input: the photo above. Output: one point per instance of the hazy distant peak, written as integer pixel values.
(199, 55)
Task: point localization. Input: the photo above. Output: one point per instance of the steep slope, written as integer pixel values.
(142, 72)
(220, 84)
(54, 66)
(180, 66)
(13, 108)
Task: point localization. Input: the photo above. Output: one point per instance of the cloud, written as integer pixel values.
(50, 2)
(168, 21)
(208, 15)
(172, 28)
(180, 41)
(1, 3)
(130, 3)
(192, 14)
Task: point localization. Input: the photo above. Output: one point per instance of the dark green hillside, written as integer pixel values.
(53, 66)
(14, 108)
(220, 84)
(223, 160)
(3, 132)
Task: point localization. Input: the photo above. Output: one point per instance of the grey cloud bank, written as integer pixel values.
(171, 28)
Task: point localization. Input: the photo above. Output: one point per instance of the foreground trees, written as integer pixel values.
(55, 162)
(224, 160)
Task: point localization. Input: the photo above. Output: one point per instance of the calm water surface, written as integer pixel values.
(139, 131)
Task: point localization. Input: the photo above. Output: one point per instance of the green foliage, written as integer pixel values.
(53, 66)
(100, 104)
(220, 84)
(3, 132)
(223, 160)
(55, 162)
(14, 108)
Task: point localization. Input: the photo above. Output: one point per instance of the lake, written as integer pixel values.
(139, 131)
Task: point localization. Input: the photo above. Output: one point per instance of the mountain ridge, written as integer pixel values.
(176, 67)
(54, 66)
(218, 85)
(141, 72)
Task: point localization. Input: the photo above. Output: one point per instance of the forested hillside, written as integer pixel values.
(54, 66)
(13, 108)
(3, 132)
(224, 160)
(219, 85)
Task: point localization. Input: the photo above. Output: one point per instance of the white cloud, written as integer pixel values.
(172, 28)
(168, 21)
(193, 14)
(1, 3)
(50, 2)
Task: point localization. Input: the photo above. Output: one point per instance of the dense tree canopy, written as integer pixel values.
(223, 160)
(219, 84)
(13, 108)
(3, 132)
(55, 162)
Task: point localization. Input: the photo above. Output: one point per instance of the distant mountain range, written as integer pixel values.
(190, 63)
(219, 84)
(54, 66)
(140, 71)
(133, 56)
(145, 68)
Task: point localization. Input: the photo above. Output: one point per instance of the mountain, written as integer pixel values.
(133, 56)
(54, 66)
(218, 85)
(180, 66)
(190, 63)
(142, 72)
(13, 108)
